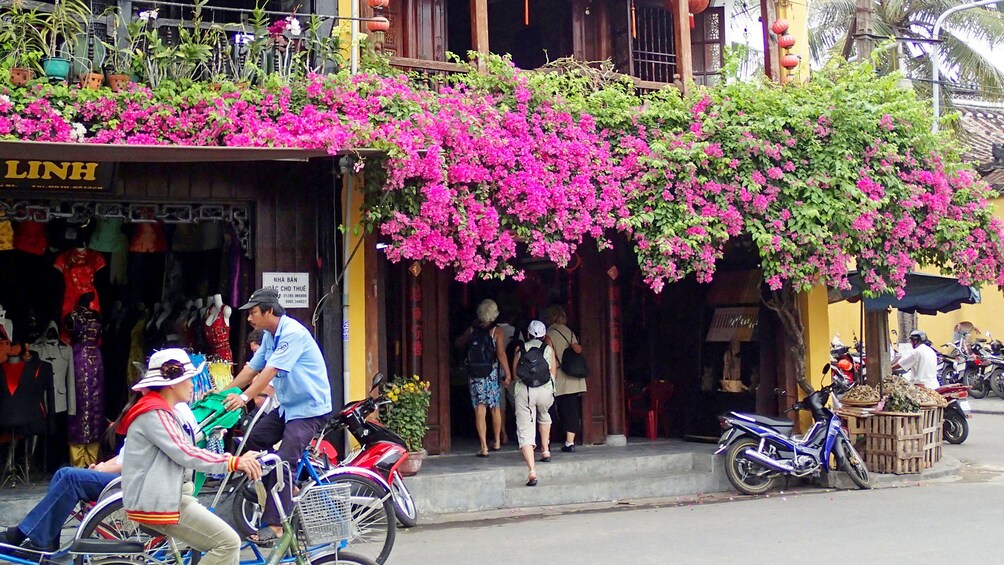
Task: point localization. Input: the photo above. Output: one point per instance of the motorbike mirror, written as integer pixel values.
(826, 369)
(378, 381)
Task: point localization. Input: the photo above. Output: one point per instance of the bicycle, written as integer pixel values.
(370, 503)
(321, 514)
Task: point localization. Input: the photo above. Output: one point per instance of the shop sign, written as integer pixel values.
(293, 288)
(23, 174)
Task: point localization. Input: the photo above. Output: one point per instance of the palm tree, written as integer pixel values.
(967, 71)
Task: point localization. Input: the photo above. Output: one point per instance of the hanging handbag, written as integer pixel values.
(572, 363)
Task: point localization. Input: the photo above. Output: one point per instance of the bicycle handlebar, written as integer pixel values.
(269, 462)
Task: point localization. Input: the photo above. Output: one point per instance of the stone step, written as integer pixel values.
(569, 467)
(548, 493)
(16, 503)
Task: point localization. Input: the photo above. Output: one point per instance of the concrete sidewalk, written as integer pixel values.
(992, 404)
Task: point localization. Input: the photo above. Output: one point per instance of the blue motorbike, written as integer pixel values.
(759, 449)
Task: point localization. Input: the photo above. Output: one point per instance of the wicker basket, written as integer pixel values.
(324, 513)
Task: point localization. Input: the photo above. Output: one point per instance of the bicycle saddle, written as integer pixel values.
(106, 547)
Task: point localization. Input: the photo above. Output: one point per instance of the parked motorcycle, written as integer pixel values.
(380, 449)
(978, 370)
(995, 372)
(759, 449)
(952, 366)
(957, 413)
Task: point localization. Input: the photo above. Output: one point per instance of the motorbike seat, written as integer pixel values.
(769, 421)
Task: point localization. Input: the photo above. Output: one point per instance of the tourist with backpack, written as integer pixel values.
(535, 366)
(487, 369)
(569, 384)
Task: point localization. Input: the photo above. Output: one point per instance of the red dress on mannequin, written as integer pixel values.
(78, 267)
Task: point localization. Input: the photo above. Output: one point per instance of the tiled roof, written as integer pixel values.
(982, 127)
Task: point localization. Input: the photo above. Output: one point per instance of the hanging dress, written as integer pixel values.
(87, 425)
(79, 267)
(30, 237)
(218, 338)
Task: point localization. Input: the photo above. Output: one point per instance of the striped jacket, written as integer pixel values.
(155, 460)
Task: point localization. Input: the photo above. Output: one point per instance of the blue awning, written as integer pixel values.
(925, 294)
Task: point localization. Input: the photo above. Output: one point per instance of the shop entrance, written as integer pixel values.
(533, 33)
(89, 288)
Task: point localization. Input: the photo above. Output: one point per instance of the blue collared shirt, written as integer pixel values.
(301, 384)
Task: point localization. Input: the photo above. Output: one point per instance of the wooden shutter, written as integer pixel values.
(707, 41)
(620, 33)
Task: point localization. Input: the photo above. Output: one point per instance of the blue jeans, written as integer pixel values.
(69, 485)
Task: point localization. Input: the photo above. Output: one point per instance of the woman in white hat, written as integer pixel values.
(156, 481)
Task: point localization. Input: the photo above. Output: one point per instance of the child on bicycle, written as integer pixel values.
(156, 481)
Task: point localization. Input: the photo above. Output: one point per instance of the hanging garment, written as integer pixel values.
(148, 238)
(26, 396)
(30, 237)
(218, 338)
(6, 235)
(53, 351)
(84, 455)
(221, 373)
(137, 341)
(78, 267)
(88, 424)
(186, 238)
(202, 382)
(108, 238)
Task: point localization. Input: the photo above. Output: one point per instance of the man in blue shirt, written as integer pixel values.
(291, 361)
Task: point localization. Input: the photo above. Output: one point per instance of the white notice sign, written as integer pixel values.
(293, 288)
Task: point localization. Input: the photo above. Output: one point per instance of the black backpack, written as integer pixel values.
(481, 355)
(532, 368)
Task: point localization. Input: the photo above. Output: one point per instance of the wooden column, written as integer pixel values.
(415, 320)
(772, 55)
(615, 362)
(479, 25)
(681, 34)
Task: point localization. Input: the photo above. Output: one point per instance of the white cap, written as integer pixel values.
(537, 329)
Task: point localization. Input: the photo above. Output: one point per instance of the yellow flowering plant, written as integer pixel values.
(408, 413)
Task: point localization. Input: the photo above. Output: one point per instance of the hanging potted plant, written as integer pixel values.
(408, 416)
(59, 30)
(20, 40)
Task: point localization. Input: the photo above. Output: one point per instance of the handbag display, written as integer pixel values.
(572, 363)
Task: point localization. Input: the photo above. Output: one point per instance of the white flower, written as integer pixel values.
(294, 25)
(243, 38)
(79, 131)
(148, 15)
(4, 98)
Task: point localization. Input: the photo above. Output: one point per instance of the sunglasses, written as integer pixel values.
(172, 369)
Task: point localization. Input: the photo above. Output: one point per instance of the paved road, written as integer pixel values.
(888, 525)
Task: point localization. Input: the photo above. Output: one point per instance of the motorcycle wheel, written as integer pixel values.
(956, 428)
(979, 387)
(996, 380)
(748, 477)
(854, 465)
(404, 503)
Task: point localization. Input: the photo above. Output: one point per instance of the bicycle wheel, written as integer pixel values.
(340, 558)
(373, 514)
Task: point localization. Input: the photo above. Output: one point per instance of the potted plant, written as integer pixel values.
(20, 40)
(124, 49)
(60, 28)
(408, 416)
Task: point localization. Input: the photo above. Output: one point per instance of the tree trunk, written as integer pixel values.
(784, 303)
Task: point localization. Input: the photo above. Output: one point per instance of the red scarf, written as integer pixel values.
(148, 403)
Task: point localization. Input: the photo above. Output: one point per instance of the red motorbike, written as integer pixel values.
(380, 450)
(957, 413)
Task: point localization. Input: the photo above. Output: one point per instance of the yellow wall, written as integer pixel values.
(987, 315)
(817, 342)
(356, 285)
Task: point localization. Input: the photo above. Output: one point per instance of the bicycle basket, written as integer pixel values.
(325, 514)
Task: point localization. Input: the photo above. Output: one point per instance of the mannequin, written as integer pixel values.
(25, 392)
(49, 348)
(194, 314)
(218, 329)
(79, 267)
(6, 325)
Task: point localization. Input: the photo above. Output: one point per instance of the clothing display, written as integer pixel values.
(108, 238)
(148, 238)
(88, 424)
(25, 395)
(50, 349)
(79, 267)
(30, 237)
(218, 338)
(221, 373)
(6, 235)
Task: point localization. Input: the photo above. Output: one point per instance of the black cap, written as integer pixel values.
(260, 296)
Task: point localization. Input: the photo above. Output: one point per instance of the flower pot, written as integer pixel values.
(56, 67)
(117, 82)
(92, 81)
(413, 463)
(20, 76)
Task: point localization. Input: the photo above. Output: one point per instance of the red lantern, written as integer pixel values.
(378, 23)
(789, 61)
(378, 3)
(779, 26)
(786, 41)
(698, 6)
